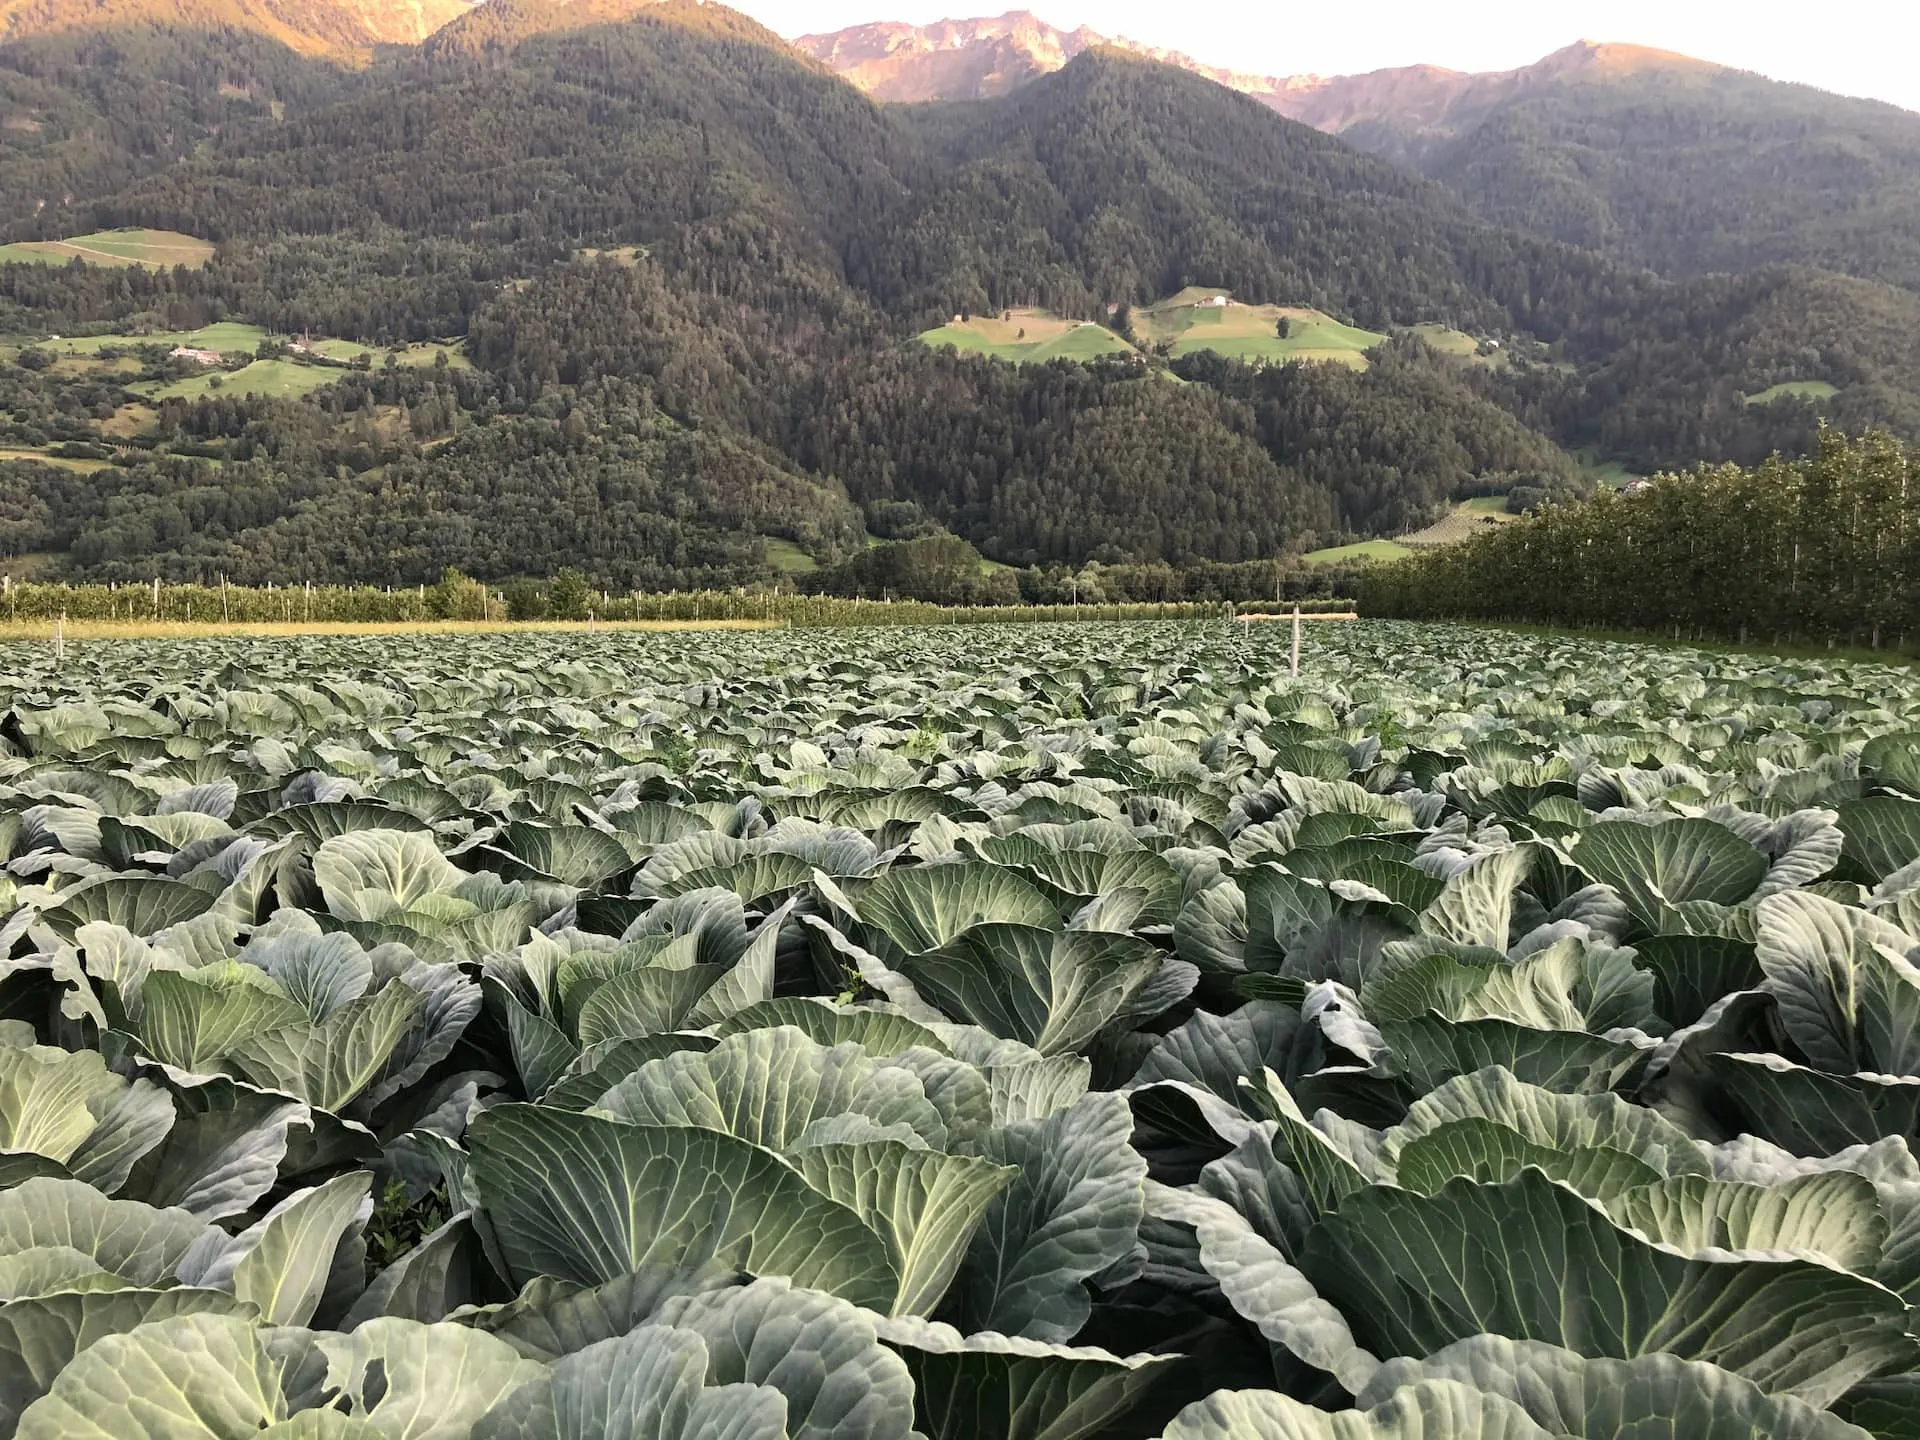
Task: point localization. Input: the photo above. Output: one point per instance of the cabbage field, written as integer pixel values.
(1033, 1032)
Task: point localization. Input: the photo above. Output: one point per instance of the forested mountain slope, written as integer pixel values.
(344, 29)
(1657, 159)
(1681, 167)
(87, 112)
(685, 265)
(1118, 178)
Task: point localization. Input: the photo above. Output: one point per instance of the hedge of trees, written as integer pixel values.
(567, 598)
(1826, 548)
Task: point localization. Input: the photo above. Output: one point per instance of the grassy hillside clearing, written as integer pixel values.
(347, 351)
(1188, 323)
(1449, 341)
(1028, 337)
(1610, 473)
(128, 421)
(1460, 345)
(1467, 518)
(1363, 550)
(231, 337)
(95, 365)
(160, 248)
(284, 378)
(59, 462)
(789, 559)
(1193, 321)
(289, 376)
(1815, 390)
(620, 255)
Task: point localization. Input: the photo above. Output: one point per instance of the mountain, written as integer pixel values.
(685, 266)
(84, 113)
(1657, 159)
(340, 28)
(1408, 106)
(992, 56)
(1122, 179)
(951, 60)
(691, 131)
(985, 58)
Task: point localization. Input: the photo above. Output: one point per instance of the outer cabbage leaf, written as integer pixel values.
(590, 1199)
(1570, 1394)
(988, 1384)
(646, 1385)
(1531, 1259)
(1074, 1210)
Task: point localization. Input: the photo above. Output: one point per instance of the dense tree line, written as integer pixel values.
(603, 482)
(940, 569)
(1395, 444)
(1109, 461)
(1826, 547)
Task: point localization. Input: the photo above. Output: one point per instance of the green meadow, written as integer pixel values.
(162, 249)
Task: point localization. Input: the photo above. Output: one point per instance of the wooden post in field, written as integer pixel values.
(1296, 639)
(60, 638)
(309, 599)
(226, 615)
(156, 597)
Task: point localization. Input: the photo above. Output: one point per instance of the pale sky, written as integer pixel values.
(1855, 47)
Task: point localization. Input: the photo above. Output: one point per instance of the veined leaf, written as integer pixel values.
(590, 1199)
(1530, 1259)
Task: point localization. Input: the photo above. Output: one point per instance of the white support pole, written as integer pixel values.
(1296, 640)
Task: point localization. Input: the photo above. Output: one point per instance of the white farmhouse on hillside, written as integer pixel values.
(199, 357)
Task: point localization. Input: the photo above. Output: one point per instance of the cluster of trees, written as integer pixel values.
(1827, 548)
(1395, 444)
(942, 569)
(1107, 461)
(569, 597)
(945, 570)
(659, 511)
(653, 436)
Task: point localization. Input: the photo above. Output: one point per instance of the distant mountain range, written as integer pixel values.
(1654, 159)
(984, 58)
(686, 261)
(991, 56)
(1658, 159)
